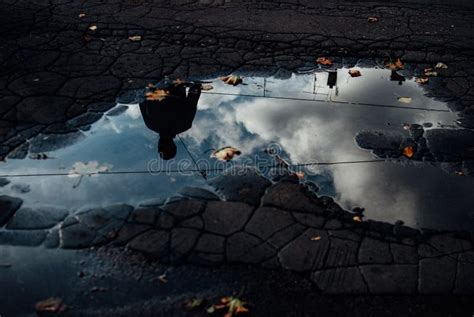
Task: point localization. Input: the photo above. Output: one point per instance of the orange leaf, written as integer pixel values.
(354, 73)
(241, 309)
(157, 95)
(324, 61)
(395, 64)
(408, 151)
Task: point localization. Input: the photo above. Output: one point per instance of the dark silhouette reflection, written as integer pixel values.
(171, 114)
(394, 76)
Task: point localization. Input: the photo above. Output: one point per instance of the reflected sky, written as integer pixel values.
(311, 123)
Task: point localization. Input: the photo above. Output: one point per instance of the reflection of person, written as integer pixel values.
(394, 76)
(171, 115)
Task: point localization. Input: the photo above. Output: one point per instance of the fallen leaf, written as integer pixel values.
(157, 95)
(354, 73)
(300, 175)
(233, 305)
(406, 126)
(441, 65)
(93, 27)
(324, 61)
(233, 80)
(226, 153)
(207, 87)
(408, 151)
(135, 38)
(458, 173)
(52, 304)
(162, 278)
(405, 100)
(82, 15)
(316, 238)
(430, 72)
(92, 167)
(372, 20)
(193, 303)
(422, 80)
(395, 64)
(357, 219)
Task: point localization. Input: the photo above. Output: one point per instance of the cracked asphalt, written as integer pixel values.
(57, 73)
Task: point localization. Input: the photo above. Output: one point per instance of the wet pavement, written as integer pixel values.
(68, 107)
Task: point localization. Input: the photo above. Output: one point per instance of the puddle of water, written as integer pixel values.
(292, 113)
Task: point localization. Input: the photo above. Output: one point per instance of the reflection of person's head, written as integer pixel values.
(166, 148)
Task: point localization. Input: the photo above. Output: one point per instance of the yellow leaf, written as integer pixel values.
(324, 61)
(135, 38)
(157, 95)
(408, 151)
(226, 153)
(233, 80)
(357, 219)
(405, 100)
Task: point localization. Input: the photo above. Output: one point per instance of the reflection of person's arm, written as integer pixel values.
(193, 95)
(146, 117)
(191, 102)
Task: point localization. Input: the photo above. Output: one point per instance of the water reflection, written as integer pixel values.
(169, 111)
(308, 121)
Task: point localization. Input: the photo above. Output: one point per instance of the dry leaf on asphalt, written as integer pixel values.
(324, 61)
(193, 303)
(233, 80)
(52, 305)
(422, 80)
(135, 38)
(408, 151)
(93, 27)
(300, 175)
(441, 65)
(395, 64)
(405, 100)
(357, 219)
(354, 73)
(233, 305)
(316, 238)
(157, 95)
(372, 20)
(430, 72)
(226, 153)
(82, 15)
(207, 87)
